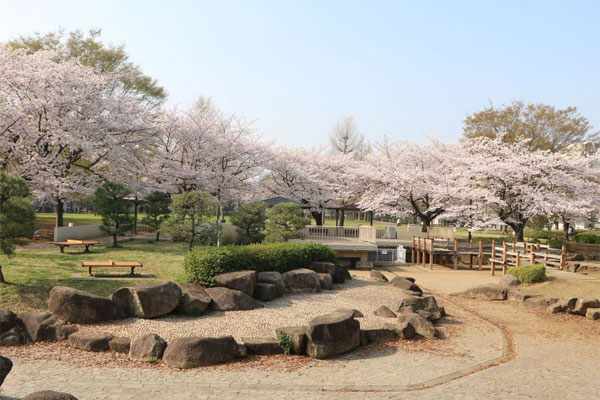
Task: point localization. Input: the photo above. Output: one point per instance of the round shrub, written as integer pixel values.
(203, 263)
(529, 273)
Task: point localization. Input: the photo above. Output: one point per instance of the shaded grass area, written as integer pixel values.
(561, 287)
(32, 273)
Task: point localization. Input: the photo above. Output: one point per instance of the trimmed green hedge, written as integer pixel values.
(529, 273)
(588, 238)
(203, 263)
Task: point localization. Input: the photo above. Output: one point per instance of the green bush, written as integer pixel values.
(529, 273)
(285, 342)
(558, 244)
(588, 238)
(202, 264)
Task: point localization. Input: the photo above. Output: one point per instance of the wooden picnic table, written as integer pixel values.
(111, 264)
(72, 242)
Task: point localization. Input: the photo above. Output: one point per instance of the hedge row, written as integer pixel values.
(529, 273)
(203, 263)
(588, 238)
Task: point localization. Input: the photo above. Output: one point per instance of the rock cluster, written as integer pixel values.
(31, 326)
(589, 308)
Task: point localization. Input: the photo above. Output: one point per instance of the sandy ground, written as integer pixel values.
(290, 310)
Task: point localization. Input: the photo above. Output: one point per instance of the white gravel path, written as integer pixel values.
(288, 310)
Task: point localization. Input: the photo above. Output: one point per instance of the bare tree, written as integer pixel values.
(347, 139)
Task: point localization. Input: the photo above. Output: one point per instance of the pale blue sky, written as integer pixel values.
(405, 69)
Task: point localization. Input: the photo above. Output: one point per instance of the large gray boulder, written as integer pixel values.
(191, 352)
(120, 344)
(509, 280)
(593, 314)
(273, 278)
(44, 327)
(426, 306)
(195, 300)
(79, 307)
(302, 280)
(243, 281)
(405, 284)
(325, 281)
(49, 395)
(148, 301)
(323, 267)
(10, 332)
(332, 334)
(377, 276)
(485, 292)
(147, 348)
(266, 291)
(297, 335)
(8, 320)
(89, 342)
(373, 335)
(385, 312)
(421, 325)
(263, 346)
(5, 367)
(341, 274)
(582, 306)
(224, 299)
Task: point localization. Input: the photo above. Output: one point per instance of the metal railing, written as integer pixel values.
(329, 232)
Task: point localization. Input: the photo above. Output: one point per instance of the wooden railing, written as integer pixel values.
(427, 250)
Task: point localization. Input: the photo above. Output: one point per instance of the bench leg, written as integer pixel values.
(87, 248)
(90, 271)
(132, 269)
(62, 249)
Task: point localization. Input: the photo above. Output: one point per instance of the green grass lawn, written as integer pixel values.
(32, 273)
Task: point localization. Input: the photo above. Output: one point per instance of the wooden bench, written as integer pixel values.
(111, 264)
(72, 242)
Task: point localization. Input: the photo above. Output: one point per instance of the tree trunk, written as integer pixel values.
(566, 227)
(425, 223)
(222, 212)
(1, 275)
(503, 230)
(318, 216)
(191, 244)
(519, 232)
(60, 211)
(115, 240)
(556, 225)
(135, 214)
(157, 235)
(470, 236)
(342, 217)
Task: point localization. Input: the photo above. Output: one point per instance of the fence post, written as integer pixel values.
(480, 254)
(505, 256)
(431, 254)
(455, 253)
(492, 262)
(562, 257)
(412, 251)
(518, 262)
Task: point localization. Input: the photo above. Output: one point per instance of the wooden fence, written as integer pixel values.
(445, 251)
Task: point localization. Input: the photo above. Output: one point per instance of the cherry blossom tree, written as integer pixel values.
(406, 179)
(206, 149)
(295, 173)
(62, 126)
(509, 183)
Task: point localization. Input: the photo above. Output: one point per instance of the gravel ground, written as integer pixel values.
(289, 310)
